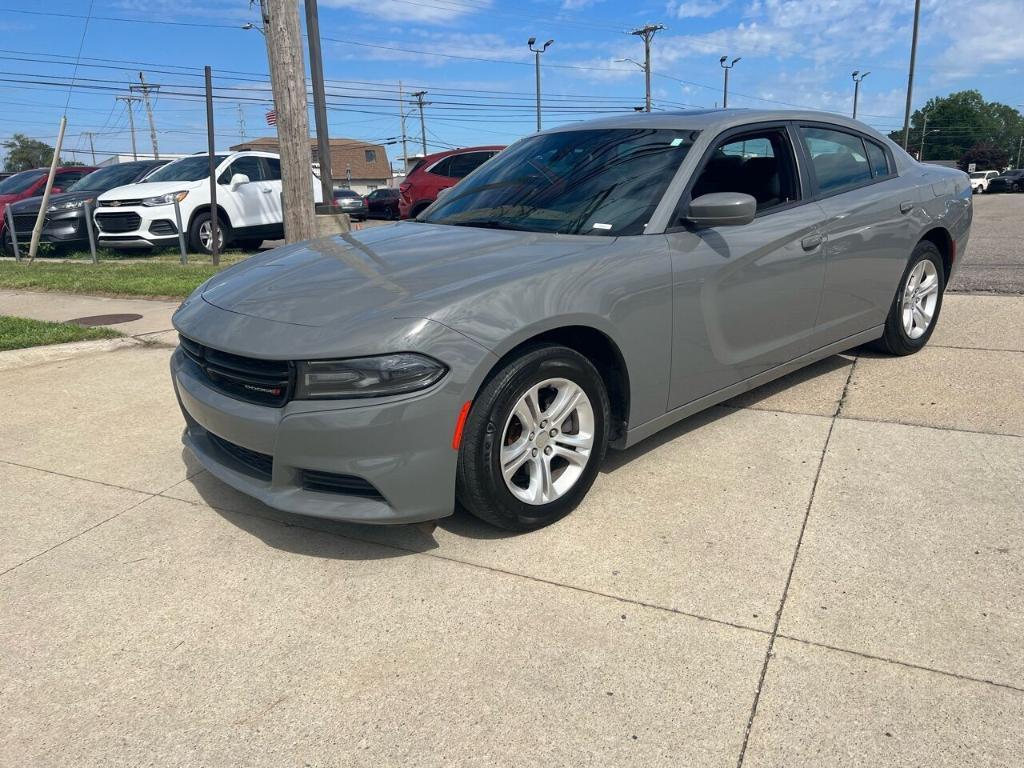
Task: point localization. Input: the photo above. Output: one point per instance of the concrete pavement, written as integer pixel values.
(995, 260)
(824, 572)
(154, 316)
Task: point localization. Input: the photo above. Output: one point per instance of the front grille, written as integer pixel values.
(163, 227)
(117, 203)
(128, 221)
(25, 222)
(329, 482)
(259, 464)
(264, 382)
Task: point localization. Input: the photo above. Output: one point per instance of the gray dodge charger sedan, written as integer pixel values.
(585, 288)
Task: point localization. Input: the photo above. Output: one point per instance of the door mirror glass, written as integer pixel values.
(238, 180)
(722, 209)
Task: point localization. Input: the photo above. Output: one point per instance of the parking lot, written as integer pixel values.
(825, 571)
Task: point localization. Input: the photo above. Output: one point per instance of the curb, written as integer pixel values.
(22, 358)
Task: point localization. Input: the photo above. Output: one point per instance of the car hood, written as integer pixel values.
(403, 270)
(149, 189)
(31, 204)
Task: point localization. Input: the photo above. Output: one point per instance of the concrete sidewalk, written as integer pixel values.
(824, 572)
(154, 315)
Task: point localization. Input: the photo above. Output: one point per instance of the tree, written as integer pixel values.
(24, 153)
(986, 156)
(949, 126)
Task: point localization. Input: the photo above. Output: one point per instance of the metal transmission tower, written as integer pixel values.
(423, 123)
(144, 88)
(647, 33)
(131, 120)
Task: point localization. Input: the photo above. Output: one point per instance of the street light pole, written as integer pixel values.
(316, 70)
(725, 88)
(857, 77)
(910, 76)
(536, 54)
(647, 33)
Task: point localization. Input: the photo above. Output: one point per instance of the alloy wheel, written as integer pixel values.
(206, 236)
(920, 297)
(547, 441)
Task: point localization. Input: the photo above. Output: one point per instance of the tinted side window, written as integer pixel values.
(69, 177)
(757, 164)
(273, 168)
(249, 165)
(878, 159)
(463, 165)
(838, 158)
(442, 168)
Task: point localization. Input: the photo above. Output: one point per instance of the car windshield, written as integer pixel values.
(19, 182)
(978, 174)
(107, 178)
(591, 182)
(187, 169)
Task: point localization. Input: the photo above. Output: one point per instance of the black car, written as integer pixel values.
(64, 224)
(351, 202)
(383, 203)
(1009, 181)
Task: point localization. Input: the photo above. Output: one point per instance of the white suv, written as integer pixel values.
(248, 200)
(980, 180)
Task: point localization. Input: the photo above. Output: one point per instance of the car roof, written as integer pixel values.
(461, 150)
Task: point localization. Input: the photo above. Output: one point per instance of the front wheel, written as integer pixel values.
(534, 440)
(200, 234)
(915, 308)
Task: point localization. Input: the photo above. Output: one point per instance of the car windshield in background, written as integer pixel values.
(106, 178)
(344, 193)
(187, 169)
(590, 182)
(19, 182)
(978, 174)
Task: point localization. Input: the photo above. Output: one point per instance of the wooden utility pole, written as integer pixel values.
(131, 120)
(92, 147)
(647, 33)
(423, 123)
(211, 150)
(288, 81)
(401, 114)
(145, 88)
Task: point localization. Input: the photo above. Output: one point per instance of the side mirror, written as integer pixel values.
(722, 209)
(238, 180)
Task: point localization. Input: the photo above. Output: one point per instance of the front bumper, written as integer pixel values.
(137, 226)
(64, 228)
(401, 445)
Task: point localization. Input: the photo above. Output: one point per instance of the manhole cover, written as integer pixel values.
(104, 319)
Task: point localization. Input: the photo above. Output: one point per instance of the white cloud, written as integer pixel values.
(699, 9)
(413, 12)
(968, 53)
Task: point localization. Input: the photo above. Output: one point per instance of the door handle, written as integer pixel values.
(266, 190)
(811, 242)
(906, 206)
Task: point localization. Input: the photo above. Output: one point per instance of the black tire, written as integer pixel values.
(194, 241)
(7, 245)
(1015, 188)
(895, 340)
(390, 214)
(480, 487)
(418, 210)
(249, 243)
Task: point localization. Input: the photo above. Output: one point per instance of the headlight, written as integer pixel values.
(366, 376)
(70, 205)
(167, 199)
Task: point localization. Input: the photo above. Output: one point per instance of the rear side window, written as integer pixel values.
(839, 159)
(463, 165)
(878, 159)
(442, 168)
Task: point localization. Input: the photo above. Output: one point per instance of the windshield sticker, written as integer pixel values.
(602, 226)
(676, 142)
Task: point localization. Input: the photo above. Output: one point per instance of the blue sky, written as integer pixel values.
(794, 52)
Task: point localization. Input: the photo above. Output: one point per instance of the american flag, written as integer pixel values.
(272, 117)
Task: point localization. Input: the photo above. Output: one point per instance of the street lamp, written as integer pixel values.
(923, 134)
(857, 77)
(536, 53)
(727, 67)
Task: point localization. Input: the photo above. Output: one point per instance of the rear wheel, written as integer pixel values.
(915, 308)
(534, 440)
(390, 213)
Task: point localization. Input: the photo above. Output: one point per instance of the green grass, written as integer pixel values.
(153, 277)
(19, 332)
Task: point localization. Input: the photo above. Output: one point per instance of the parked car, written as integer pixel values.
(436, 172)
(383, 203)
(25, 184)
(590, 286)
(141, 215)
(352, 203)
(1008, 181)
(980, 180)
(64, 224)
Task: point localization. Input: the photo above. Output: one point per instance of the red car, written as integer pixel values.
(31, 184)
(436, 172)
